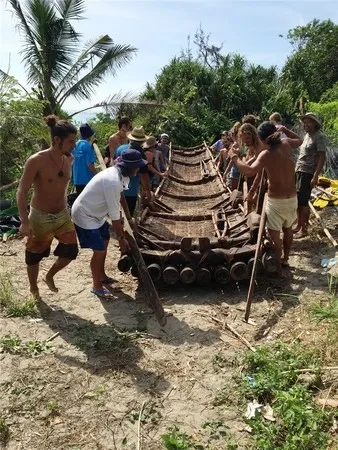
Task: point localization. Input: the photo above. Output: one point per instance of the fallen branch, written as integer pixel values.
(229, 327)
(241, 338)
(326, 231)
(327, 397)
(313, 369)
(9, 186)
(53, 337)
(139, 437)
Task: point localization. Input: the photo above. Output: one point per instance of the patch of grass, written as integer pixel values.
(151, 414)
(215, 431)
(14, 345)
(10, 303)
(329, 312)
(4, 431)
(101, 340)
(25, 309)
(175, 439)
(272, 377)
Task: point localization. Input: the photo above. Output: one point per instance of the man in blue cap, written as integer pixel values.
(84, 158)
(101, 197)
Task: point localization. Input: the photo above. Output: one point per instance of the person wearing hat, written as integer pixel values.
(84, 158)
(281, 209)
(310, 163)
(137, 138)
(101, 197)
(150, 148)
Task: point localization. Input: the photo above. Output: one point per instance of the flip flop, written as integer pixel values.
(104, 293)
(108, 281)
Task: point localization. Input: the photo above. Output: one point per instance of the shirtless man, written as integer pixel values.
(281, 209)
(119, 138)
(49, 171)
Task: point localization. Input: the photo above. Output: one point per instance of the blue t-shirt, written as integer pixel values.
(218, 145)
(134, 184)
(83, 154)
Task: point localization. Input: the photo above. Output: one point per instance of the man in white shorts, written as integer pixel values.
(281, 208)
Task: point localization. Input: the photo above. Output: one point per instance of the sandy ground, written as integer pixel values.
(111, 359)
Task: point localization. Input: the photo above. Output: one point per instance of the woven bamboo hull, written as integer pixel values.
(195, 231)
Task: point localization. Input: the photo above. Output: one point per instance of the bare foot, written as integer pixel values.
(35, 294)
(50, 283)
(300, 234)
(284, 263)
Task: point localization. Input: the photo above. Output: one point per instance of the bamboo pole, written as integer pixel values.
(255, 264)
(326, 231)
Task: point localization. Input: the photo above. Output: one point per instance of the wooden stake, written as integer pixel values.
(329, 194)
(326, 231)
(257, 255)
(241, 338)
(139, 437)
(152, 295)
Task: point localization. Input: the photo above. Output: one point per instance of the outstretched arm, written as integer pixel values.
(245, 169)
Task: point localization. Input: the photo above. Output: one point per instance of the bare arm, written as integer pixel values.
(293, 139)
(319, 168)
(151, 168)
(92, 168)
(145, 184)
(113, 144)
(245, 169)
(30, 171)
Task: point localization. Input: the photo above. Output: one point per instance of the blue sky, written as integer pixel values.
(159, 30)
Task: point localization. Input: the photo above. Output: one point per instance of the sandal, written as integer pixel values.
(104, 293)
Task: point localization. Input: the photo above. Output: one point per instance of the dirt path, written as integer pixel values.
(111, 359)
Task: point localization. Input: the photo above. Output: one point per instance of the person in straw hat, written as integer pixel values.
(308, 168)
(150, 149)
(137, 138)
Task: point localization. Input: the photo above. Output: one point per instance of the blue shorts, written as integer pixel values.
(93, 239)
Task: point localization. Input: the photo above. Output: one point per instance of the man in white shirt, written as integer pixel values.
(101, 197)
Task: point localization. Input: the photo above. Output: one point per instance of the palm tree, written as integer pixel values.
(56, 68)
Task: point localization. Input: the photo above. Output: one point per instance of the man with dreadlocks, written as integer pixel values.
(49, 171)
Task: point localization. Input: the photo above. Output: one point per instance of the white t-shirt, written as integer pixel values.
(100, 197)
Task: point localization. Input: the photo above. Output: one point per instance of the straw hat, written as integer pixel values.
(150, 142)
(311, 116)
(137, 134)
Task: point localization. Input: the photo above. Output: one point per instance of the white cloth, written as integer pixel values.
(100, 197)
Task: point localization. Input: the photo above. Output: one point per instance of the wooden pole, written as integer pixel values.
(326, 231)
(255, 265)
(152, 295)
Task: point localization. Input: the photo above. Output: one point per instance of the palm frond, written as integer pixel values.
(70, 9)
(93, 49)
(6, 77)
(114, 101)
(31, 52)
(111, 58)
